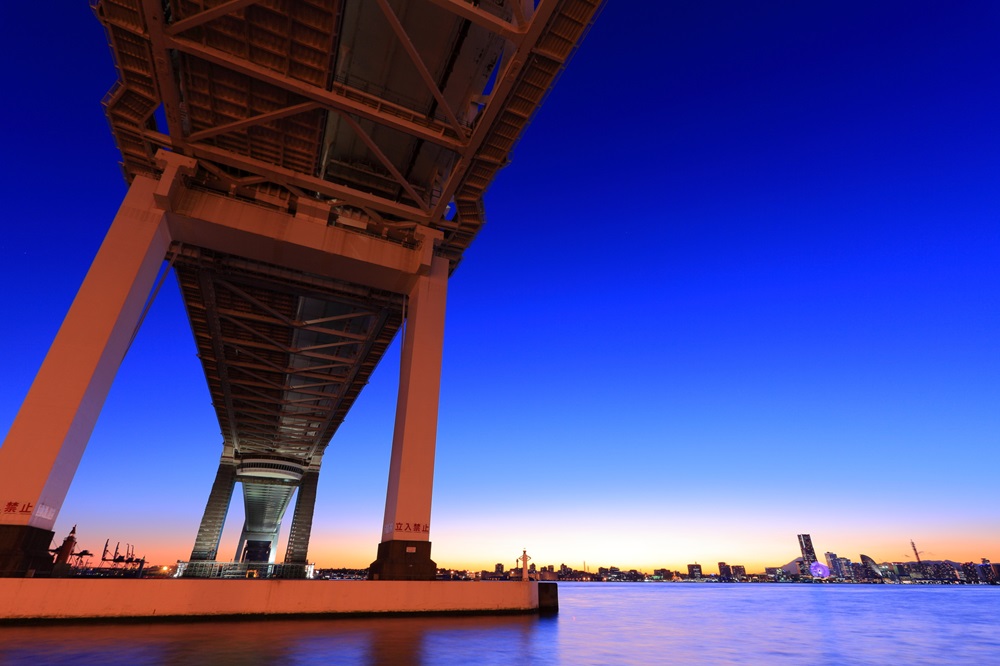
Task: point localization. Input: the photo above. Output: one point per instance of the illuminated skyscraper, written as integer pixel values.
(694, 571)
(808, 554)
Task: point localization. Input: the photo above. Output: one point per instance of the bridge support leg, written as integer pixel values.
(206, 544)
(298, 536)
(46, 441)
(405, 551)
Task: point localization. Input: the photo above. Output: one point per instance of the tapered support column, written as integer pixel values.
(305, 503)
(46, 441)
(206, 544)
(405, 551)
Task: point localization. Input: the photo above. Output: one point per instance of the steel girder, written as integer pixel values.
(267, 91)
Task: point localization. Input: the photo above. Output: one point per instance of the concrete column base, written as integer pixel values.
(24, 551)
(548, 598)
(403, 560)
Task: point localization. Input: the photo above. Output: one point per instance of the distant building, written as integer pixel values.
(870, 569)
(796, 567)
(725, 571)
(913, 570)
(831, 561)
(808, 553)
(498, 568)
(694, 571)
(739, 572)
(978, 573)
(971, 573)
(940, 571)
(776, 573)
(846, 568)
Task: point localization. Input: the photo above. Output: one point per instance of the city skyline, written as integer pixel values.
(111, 548)
(758, 297)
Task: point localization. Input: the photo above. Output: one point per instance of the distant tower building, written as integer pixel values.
(725, 571)
(694, 571)
(739, 572)
(846, 567)
(498, 568)
(65, 551)
(831, 561)
(808, 554)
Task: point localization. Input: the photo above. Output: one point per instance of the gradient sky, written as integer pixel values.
(741, 281)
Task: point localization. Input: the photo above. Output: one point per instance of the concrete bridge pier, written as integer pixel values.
(46, 441)
(42, 450)
(405, 550)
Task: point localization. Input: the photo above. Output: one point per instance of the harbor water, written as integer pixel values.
(598, 623)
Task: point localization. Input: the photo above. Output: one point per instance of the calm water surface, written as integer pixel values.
(599, 623)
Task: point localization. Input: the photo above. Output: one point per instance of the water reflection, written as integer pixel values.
(778, 624)
(396, 640)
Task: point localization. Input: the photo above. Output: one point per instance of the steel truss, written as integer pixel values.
(287, 359)
(249, 87)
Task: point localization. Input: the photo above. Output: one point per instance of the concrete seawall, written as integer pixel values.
(24, 599)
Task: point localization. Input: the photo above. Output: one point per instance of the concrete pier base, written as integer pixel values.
(102, 598)
(403, 560)
(548, 598)
(24, 551)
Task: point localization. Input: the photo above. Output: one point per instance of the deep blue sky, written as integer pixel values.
(739, 282)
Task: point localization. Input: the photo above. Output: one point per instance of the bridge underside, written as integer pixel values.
(285, 354)
(319, 175)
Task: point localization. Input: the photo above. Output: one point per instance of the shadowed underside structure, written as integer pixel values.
(320, 173)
